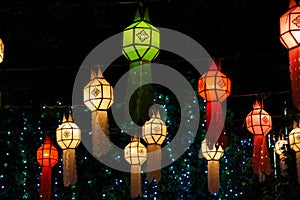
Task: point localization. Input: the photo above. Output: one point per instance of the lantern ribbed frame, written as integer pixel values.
(98, 94)
(294, 139)
(68, 134)
(290, 27)
(258, 121)
(135, 152)
(211, 154)
(214, 86)
(47, 154)
(154, 131)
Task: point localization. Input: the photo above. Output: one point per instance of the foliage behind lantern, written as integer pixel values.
(141, 40)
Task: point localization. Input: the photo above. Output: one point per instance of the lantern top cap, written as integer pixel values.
(258, 105)
(292, 3)
(138, 16)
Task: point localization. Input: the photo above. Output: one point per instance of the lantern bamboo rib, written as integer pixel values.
(100, 133)
(69, 167)
(135, 181)
(213, 176)
(154, 162)
(45, 183)
(298, 165)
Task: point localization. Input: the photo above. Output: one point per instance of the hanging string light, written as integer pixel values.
(294, 141)
(47, 157)
(68, 137)
(98, 97)
(154, 132)
(135, 154)
(259, 123)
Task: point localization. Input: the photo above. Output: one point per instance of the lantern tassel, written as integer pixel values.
(100, 133)
(294, 75)
(282, 163)
(135, 181)
(154, 162)
(298, 165)
(45, 183)
(214, 122)
(213, 176)
(69, 167)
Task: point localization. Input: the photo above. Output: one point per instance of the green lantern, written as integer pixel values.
(141, 40)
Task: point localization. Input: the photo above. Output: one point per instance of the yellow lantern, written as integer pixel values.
(294, 141)
(135, 153)
(280, 149)
(68, 137)
(154, 132)
(1, 50)
(98, 97)
(213, 172)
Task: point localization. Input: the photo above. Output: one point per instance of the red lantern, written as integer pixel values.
(47, 157)
(290, 38)
(214, 87)
(259, 123)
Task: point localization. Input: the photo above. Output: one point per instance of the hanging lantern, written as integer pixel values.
(135, 154)
(1, 50)
(47, 157)
(98, 97)
(280, 149)
(213, 167)
(154, 133)
(294, 141)
(68, 137)
(141, 43)
(259, 123)
(290, 38)
(214, 87)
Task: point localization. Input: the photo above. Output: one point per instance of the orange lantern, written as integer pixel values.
(154, 133)
(213, 166)
(290, 38)
(214, 87)
(98, 97)
(259, 123)
(135, 154)
(47, 157)
(68, 137)
(294, 140)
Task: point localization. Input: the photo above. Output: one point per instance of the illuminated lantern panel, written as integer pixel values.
(141, 40)
(281, 146)
(154, 131)
(135, 153)
(98, 93)
(294, 139)
(1, 51)
(211, 154)
(47, 154)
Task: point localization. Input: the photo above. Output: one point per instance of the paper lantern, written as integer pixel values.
(68, 137)
(290, 38)
(213, 167)
(214, 87)
(135, 154)
(1, 51)
(141, 40)
(259, 123)
(98, 97)
(280, 149)
(294, 141)
(154, 132)
(47, 157)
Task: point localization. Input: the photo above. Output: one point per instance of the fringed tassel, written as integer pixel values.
(282, 164)
(298, 165)
(154, 162)
(135, 181)
(45, 183)
(294, 59)
(69, 167)
(214, 122)
(213, 176)
(261, 161)
(100, 133)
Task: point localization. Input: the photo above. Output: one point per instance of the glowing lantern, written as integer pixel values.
(68, 137)
(1, 51)
(294, 141)
(259, 123)
(214, 87)
(154, 133)
(280, 149)
(141, 43)
(47, 157)
(290, 38)
(135, 154)
(98, 97)
(213, 167)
